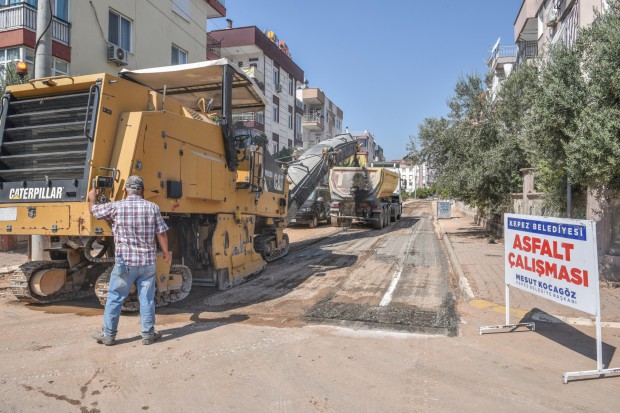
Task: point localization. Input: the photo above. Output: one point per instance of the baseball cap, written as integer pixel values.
(134, 182)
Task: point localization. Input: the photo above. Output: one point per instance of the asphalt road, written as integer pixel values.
(352, 320)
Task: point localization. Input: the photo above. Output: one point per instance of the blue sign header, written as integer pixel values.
(570, 231)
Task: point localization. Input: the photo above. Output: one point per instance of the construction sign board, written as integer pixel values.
(553, 258)
(444, 209)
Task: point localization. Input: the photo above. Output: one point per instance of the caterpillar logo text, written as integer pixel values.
(36, 193)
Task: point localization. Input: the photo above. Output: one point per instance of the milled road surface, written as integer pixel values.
(329, 328)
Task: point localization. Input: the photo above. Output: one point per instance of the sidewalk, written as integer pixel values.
(482, 265)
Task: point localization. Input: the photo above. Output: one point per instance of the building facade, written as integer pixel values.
(539, 25)
(109, 34)
(414, 177)
(321, 120)
(268, 61)
(367, 144)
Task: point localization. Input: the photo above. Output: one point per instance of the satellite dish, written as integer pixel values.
(496, 45)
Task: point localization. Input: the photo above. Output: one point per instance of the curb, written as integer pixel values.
(454, 262)
(456, 266)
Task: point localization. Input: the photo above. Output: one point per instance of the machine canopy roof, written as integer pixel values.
(191, 82)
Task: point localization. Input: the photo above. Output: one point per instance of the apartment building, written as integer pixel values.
(321, 120)
(501, 62)
(268, 61)
(416, 176)
(539, 25)
(367, 144)
(107, 35)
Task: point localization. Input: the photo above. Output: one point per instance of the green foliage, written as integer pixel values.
(422, 193)
(284, 155)
(559, 114)
(477, 160)
(594, 153)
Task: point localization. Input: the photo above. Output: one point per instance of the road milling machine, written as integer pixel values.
(225, 199)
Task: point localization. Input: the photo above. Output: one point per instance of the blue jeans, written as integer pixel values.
(121, 280)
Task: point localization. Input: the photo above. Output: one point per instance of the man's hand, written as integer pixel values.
(92, 195)
(168, 257)
(92, 199)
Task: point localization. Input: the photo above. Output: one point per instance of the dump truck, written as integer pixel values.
(364, 194)
(223, 196)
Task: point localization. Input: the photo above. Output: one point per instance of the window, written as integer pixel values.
(291, 86)
(61, 9)
(7, 56)
(260, 117)
(182, 8)
(276, 76)
(276, 142)
(254, 62)
(179, 56)
(276, 113)
(290, 143)
(119, 30)
(60, 67)
(290, 117)
(32, 3)
(240, 64)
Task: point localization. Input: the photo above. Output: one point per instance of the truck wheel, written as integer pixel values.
(378, 224)
(313, 222)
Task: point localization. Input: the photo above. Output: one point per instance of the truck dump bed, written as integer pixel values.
(362, 184)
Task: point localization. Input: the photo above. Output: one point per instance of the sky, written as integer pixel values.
(388, 64)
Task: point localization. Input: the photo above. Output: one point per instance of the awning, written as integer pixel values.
(188, 83)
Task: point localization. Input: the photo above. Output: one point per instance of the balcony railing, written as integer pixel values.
(214, 48)
(24, 16)
(299, 104)
(527, 50)
(313, 117)
(248, 117)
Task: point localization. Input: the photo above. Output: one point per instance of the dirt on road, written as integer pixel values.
(352, 320)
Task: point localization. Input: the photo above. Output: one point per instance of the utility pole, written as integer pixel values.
(43, 47)
(42, 68)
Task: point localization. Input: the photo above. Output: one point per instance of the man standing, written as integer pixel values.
(135, 223)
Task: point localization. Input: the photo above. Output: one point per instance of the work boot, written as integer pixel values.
(150, 339)
(102, 338)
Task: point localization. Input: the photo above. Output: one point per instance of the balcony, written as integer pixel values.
(254, 73)
(249, 120)
(24, 16)
(501, 56)
(313, 122)
(526, 51)
(313, 96)
(526, 23)
(214, 48)
(217, 8)
(299, 104)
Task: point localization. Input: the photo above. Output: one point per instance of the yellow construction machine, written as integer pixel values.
(225, 199)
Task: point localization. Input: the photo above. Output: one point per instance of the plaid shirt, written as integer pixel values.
(134, 225)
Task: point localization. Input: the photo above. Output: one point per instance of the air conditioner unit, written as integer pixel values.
(118, 55)
(552, 17)
(278, 87)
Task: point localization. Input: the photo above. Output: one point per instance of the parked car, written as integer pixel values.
(315, 209)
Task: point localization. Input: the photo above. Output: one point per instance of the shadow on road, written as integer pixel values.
(568, 336)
